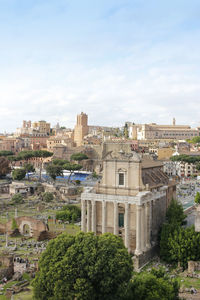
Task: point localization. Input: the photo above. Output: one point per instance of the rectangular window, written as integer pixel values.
(121, 220)
(121, 178)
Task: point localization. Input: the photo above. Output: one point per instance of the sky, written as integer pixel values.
(116, 60)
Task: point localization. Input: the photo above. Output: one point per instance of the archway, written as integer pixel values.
(26, 230)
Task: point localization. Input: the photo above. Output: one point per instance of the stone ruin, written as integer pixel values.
(6, 266)
(28, 226)
(193, 266)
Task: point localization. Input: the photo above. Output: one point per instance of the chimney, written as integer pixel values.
(174, 121)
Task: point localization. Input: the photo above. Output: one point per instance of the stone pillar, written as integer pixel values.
(88, 216)
(148, 232)
(94, 216)
(127, 229)
(83, 216)
(15, 212)
(138, 250)
(116, 219)
(104, 216)
(143, 233)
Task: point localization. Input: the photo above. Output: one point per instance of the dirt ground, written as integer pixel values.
(189, 296)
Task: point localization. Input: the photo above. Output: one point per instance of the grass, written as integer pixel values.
(69, 228)
(9, 284)
(188, 282)
(28, 295)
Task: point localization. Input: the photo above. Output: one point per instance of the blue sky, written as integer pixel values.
(116, 60)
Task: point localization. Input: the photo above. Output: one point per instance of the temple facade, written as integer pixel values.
(130, 201)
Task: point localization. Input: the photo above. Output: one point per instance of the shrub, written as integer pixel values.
(47, 197)
(17, 199)
(70, 213)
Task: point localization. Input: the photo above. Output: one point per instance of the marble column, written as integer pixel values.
(143, 233)
(116, 219)
(127, 227)
(83, 216)
(94, 216)
(88, 216)
(148, 218)
(104, 216)
(138, 250)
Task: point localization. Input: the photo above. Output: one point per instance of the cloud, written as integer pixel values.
(116, 62)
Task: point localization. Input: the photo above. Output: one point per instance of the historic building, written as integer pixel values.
(159, 132)
(130, 201)
(81, 129)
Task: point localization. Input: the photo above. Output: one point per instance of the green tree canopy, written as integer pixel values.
(6, 153)
(195, 140)
(54, 170)
(71, 168)
(197, 198)
(60, 162)
(83, 267)
(154, 285)
(78, 156)
(175, 218)
(175, 213)
(184, 245)
(18, 174)
(28, 168)
(47, 197)
(69, 213)
(17, 199)
(14, 224)
(186, 158)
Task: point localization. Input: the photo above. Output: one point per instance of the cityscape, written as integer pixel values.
(99, 150)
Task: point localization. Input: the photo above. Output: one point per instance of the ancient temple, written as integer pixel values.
(130, 201)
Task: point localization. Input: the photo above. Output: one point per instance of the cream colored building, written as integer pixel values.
(42, 127)
(81, 129)
(130, 201)
(154, 131)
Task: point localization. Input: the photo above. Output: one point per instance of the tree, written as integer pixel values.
(175, 213)
(14, 224)
(83, 267)
(17, 199)
(59, 162)
(71, 168)
(198, 166)
(54, 170)
(47, 197)
(126, 130)
(195, 140)
(154, 285)
(29, 154)
(175, 218)
(197, 198)
(18, 174)
(4, 166)
(69, 212)
(28, 168)
(184, 245)
(78, 156)
(6, 153)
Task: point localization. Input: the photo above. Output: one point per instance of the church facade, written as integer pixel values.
(130, 201)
